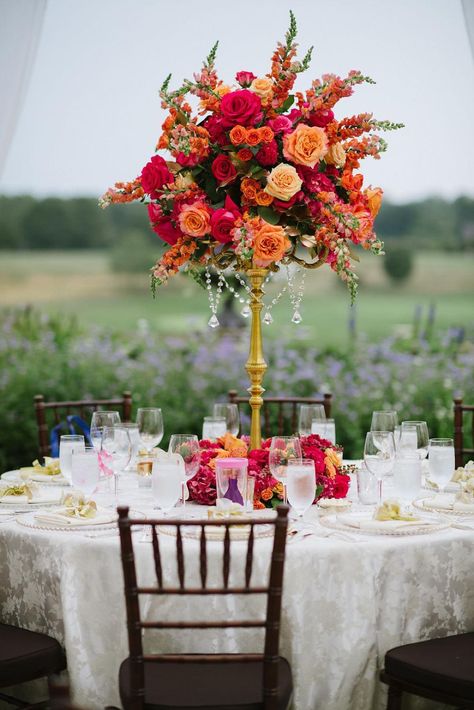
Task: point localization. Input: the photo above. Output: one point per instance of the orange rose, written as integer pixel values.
(336, 155)
(221, 454)
(238, 135)
(266, 494)
(283, 182)
(253, 136)
(263, 199)
(266, 134)
(233, 445)
(263, 88)
(244, 154)
(194, 220)
(257, 505)
(374, 199)
(249, 188)
(270, 244)
(306, 145)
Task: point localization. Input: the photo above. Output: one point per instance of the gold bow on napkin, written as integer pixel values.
(19, 489)
(51, 467)
(75, 506)
(391, 510)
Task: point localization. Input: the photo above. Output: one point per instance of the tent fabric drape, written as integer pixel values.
(21, 22)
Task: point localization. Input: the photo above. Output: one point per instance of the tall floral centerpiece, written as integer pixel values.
(259, 179)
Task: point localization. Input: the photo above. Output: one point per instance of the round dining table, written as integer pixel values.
(347, 599)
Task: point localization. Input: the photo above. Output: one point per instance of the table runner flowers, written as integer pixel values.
(331, 481)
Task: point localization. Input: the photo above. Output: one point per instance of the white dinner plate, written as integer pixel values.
(429, 504)
(19, 502)
(41, 478)
(341, 522)
(29, 521)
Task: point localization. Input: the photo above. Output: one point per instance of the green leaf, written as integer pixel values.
(268, 215)
(288, 103)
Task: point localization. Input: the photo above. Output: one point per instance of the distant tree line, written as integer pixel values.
(78, 223)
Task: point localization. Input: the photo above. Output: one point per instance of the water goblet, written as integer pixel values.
(116, 443)
(422, 436)
(85, 470)
(230, 412)
(150, 426)
(384, 420)
(69, 443)
(213, 428)
(187, 446)
(325, 429)
(441, 461)
(301, 484)
(166, 483)
(99, 420)
(308, 414)
(379, 455)
(282, 450)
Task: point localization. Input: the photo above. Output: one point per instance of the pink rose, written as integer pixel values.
(223, 220)
(162, 225)
(294, 115)
(245, 78)
(154, 175)
(216, 130)
(242, 107)
(223, 169)
(280, 205)
(321, 118)
(281, 124)
(187, 161)
(268, 154)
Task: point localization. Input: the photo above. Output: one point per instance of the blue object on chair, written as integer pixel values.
(73, 421)
(54, 439)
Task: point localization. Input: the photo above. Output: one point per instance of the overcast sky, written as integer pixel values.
(92, 113)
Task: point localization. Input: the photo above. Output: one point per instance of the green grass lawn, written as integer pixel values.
(80, 283)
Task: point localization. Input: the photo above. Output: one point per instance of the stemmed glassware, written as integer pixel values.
(69, 444)
(282, 450)
(150, 427)
(301, 484)
(230, 412)
(308, 416)
(187, 446)
(101, 419)
(422, 436)
(85, 470)
(116, 443)
(386, 420)
(379, 455)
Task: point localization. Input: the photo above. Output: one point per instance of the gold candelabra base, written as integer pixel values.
(256, 364)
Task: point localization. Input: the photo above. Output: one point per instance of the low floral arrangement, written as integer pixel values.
(260, 176)
(331, 482)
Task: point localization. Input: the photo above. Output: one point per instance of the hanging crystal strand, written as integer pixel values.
(213, 321)
(296, 295)
(245, 312)
(268, 318)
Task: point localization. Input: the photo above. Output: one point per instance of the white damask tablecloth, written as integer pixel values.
(345, 604)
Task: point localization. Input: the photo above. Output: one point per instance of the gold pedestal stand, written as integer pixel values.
(256, 364)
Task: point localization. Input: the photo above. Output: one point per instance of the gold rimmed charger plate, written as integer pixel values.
(336, 522)
(420, 504)
(28, 521)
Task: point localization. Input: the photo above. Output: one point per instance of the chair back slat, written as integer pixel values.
(272, 589)
(462, 452)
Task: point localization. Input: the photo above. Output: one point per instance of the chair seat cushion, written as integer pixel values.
(26, 655)
(444, 664)
(228, 686)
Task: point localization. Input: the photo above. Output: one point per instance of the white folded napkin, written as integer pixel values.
(441, 502)
(60, 518)
(384, 525)
(461, 507)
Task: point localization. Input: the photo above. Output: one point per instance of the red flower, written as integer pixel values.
(281, 205)
(162, 225)
(223, 168)
(321, 118)
(313, 180)
(244, 78)
(154, 175)
(188, 161)
(341, 485)
(241, 107)
(281, 124)
(216, 130)
(223, 220)
(268, 154)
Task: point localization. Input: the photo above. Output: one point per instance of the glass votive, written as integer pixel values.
(367, 486)
(250, 493)
(231, 480)
(213, 428)
(326, 429)
(407, 475)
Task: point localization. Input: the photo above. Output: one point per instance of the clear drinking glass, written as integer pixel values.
(150, 426)
(166, 483)
(187, 446)
(85, 470)
(408, 438)
(230, 412)
(407, 474)
(213, 428)
(99, 420)
(440, 460)
(379, 455)
(69, 443)
(384, 420)
(422, 437)
(282, 450)
(231, 480)
(301, 484)
(325, 429)
(310, 413)
(116, 442)
(367, 486)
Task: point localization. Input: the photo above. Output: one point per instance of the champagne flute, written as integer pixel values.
(116, 443)
(85, 470)
(231, 414)
(301, 482)
(422, 436)
(99, 420)
(69, 443)
(308, 414)
(379, 455)
(187, 446)
(166, 483)
(150, 426)
(282, 450)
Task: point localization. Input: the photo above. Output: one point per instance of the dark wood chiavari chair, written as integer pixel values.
(461, 452)
(285, 424)
(440, 669)
(257, 681)
(57, 411)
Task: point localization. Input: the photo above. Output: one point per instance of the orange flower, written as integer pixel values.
(283, 182)
(332, 462)
(253, 136)
(374, 199)
(266, 134)
(238, 135)
(263, 88)
(336, 155)
(266, 494)
(270, 244)
(221, 454)
(233, 445)
(249, 188)
(244, 154)
(194, 220)
(263, 198)
(306, 145)
(257, 505)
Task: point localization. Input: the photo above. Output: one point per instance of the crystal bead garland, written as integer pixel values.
(295, 294)
(213, 321)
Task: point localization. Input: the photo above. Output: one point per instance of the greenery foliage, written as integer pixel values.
(398, 263)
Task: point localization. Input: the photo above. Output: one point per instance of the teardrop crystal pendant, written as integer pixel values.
(245, 312)
(213, 322)
(268, 318)
(296, 317)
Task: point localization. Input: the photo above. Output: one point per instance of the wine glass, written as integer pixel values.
(99, 420)
(282, 450)
(230, 412)
(187, 446)
(85, 470)
(116, 443)
(325, 429)
(301, 483)
(379, 455)
(384, 420)
(213, 428)
(68, 443)
(150, 426)
(441, 460)
(166, 483)
(422, 437)
(310, 413)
